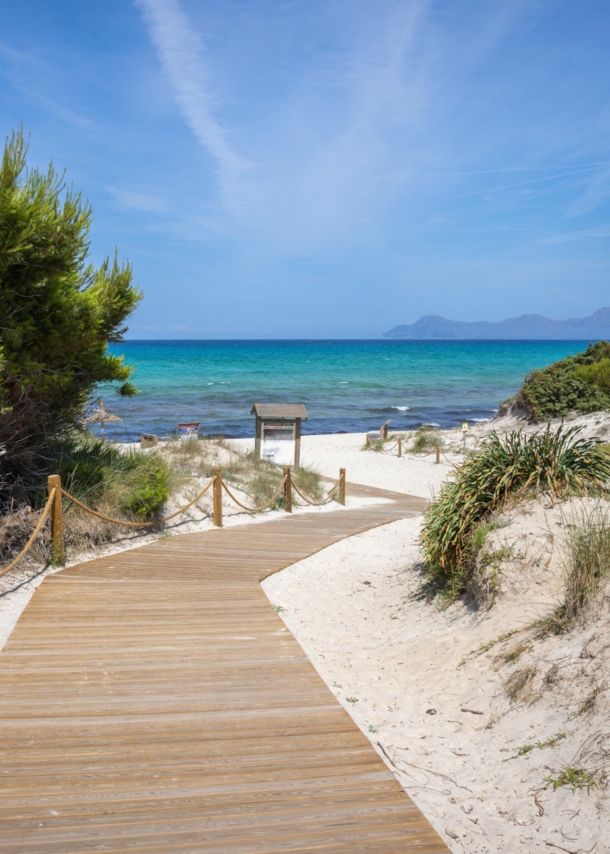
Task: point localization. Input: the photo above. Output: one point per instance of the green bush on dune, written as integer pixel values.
(579, 383)
(555, 463)
(134, 484)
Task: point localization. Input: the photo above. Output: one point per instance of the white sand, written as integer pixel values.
(328, 453)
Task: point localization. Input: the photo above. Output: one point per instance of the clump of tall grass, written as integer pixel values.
(586, 549)
(194, 457)
(425, 439)
(555, 463)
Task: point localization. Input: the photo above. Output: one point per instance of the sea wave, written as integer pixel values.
(401, 408)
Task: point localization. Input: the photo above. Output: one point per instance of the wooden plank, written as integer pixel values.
(152, 701)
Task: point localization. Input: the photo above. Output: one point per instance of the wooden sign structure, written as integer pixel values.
(149, 440)
(278, 432)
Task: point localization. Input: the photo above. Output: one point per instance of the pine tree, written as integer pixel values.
(57, 312)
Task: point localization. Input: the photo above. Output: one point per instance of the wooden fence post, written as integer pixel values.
(437, 448)
(58, 548)
(342, 486)
(400, 447)
(217, 493)
(288, 489)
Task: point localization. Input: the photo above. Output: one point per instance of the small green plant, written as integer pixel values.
(513, 655)
(550, 742)
(553, 624)
(487, 646)
(374, 445)
(541, 745)
(352, 700)
(337, 685)
(576, 778)
(524, 749)
(373, 728)
(279, 609)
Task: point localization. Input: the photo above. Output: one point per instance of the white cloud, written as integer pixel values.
(138, 201)
(181, 53)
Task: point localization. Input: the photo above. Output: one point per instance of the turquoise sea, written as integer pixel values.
(347, 386)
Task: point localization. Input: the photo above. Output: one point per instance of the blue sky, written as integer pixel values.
(327, 168)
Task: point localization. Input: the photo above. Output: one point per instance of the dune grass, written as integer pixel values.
(258, 478)
(425, 439)
(587, 557)
(553, 463)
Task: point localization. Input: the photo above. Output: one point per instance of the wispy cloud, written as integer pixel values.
(138, 201)
(181, 53)
(600, 231)
(595, 195)
(34, 76)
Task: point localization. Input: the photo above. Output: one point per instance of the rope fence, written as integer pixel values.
(255, 509)
(403, 450)
(36, 531)
(53, 509)
(136, 524)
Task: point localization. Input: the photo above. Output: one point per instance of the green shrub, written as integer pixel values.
(598, 373)
(147, 485)
(579, 383)
(555, 463)
(104, 477)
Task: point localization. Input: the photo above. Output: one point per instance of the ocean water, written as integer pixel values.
(347, 386)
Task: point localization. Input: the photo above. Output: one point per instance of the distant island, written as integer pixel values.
(527, 326)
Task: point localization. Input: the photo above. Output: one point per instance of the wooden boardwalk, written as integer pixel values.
(152, 701)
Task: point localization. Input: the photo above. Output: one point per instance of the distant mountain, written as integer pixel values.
(527, 326)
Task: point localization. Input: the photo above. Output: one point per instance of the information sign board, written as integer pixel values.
(277, 443)
(188, 431)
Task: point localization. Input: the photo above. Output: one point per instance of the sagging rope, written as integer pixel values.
(136, 524)
(35, 533)
(327, 500)
(55, 491)
(255, 509)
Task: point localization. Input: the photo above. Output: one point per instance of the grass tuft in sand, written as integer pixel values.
(553, 463)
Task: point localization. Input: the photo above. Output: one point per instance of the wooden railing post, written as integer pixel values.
(400, 447)
(342, 486)
(437, 448)
(217, 495)
(58, 548)
(288, 489)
